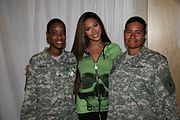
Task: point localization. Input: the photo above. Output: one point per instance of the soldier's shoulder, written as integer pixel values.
(37, 56)
(155, 55)
(158, 56)
(70, 56)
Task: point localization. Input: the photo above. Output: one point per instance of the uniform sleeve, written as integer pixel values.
(29, 111)
(115, 51)
(165, 100)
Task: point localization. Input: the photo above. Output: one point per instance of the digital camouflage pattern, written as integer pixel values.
(141, 88)
(49, 88)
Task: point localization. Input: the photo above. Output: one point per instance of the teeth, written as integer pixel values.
(96, 35)
(59, 42)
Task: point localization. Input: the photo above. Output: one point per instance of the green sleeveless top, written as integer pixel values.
(93, 96)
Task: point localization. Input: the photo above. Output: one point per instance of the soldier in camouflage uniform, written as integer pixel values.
(49, 87)
(141, 86)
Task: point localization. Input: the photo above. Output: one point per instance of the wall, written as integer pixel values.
(163, 35)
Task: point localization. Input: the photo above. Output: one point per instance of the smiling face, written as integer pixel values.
(92, 30)
(56, 36)
(134, 36)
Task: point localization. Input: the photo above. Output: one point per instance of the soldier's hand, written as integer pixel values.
(27, 71)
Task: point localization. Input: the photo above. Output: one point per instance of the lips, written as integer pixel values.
(95, 35)
(132, 41)
(59, 43)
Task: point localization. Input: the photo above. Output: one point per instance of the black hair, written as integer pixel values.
(54, 20)
(136, 19)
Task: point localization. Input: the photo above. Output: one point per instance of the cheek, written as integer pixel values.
(63, 37)
(87, 34)
(126, 38)
(141, 39)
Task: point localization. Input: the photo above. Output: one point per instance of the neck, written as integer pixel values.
(133, 52)
(95, 45)
(54, 52)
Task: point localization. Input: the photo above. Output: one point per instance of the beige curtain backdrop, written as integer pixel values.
(164, 33)
(22, 34)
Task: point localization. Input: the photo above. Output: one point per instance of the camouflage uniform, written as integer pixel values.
(49, 88)
(141, 88)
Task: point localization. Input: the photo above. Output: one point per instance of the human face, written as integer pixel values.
(56, 36)
(134, 36)
(92, 30)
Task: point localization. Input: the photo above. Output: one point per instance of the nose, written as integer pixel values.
(93, 30)
(60, 36)
(132, 35)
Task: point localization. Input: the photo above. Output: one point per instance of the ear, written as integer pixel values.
(47, 37)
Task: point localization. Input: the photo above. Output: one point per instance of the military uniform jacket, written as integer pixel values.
(93, 96)
(49, 88)
(141, 88)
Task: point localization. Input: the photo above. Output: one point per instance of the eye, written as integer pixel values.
(128, 31)
(57, 33)
(62, 33)
(96, 25)
(53, 33)
(86, 29)
(138, 32)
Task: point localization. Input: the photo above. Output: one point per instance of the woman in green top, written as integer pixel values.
(95, 54)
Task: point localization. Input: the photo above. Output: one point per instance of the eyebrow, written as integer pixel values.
(92, 25)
